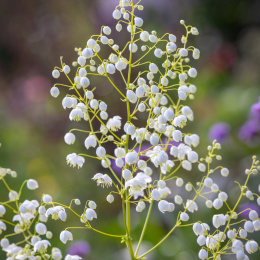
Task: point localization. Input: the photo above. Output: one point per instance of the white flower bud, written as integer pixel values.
(217, 203)
(13, 195)
(42, 210)
(40, 228)
(161, 184)
(116, 14)
(84, 82)
(138, 21)
(66, 69)
(107, 30)
(179, 182)
(46, 198)
(208, 182)
(153, 68)
(55, 74)
(202, 167)
(249, 227)
(158, 52)
(192, 72)
(127, 175)
(101, 152)
(155, 195)
(32, 184)
(55, 92)
(2, 210)
(242, 233)
(69, 138)
(184, 216)
(224, 172)
(223, 196)
(177, 135)
(231, 234)
(81, 61)
(201, 240)
(110, 198)
(77, 202)
(183, 52)
(144, 36)
(4, 243)
(87, 53)
(193, 157)
(203, 254)
(178, 200)
(62, 215)
(131, 157)
(92, 204)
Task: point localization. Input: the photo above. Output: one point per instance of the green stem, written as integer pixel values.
(144, 228)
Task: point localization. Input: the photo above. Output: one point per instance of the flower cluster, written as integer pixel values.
(150, 157)
(27, 228)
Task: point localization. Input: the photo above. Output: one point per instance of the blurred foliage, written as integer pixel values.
(34, 34)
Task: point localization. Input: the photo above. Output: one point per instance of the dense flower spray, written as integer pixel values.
(150, 157)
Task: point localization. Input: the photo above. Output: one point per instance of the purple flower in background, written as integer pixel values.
(249, 206)
(220, 132)
(249, 131)
(255, 111)
(80, 248)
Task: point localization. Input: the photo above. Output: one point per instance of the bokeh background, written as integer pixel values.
(34, 34)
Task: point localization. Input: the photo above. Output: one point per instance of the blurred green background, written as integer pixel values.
(34, 34)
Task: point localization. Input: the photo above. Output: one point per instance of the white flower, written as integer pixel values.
(102, 179)
(41, 246)
(90, 141)
(138, 183)
(65, 235)
(211, 242)
(163, 206)
(2, 227)
(2, 210)
(249, 227)
(196, 54)
(92, 204)
(191, 206)
(180, 121)
(69, 138)
(218, 220)
(251, 246)
(40, 228)
(114, 124)
(76, 114)
(144, 36)
(75, 160)
(90, 214)
(32, 184)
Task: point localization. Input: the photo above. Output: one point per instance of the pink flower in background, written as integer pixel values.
(36, 88)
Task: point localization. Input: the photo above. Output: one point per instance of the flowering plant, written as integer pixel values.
(149, 155)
